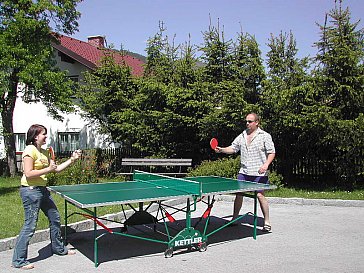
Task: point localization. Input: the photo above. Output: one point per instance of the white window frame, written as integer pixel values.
(68, 141)
(20, 139)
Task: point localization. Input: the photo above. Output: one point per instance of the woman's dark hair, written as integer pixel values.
(33, 131)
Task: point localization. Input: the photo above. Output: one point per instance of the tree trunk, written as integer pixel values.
(8, 106)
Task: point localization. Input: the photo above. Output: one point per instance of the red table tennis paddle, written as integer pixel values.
(213, 143)
(52, 154)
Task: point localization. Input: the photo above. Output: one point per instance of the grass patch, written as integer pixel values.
(12, 215)
(313, 194)
(12, 212)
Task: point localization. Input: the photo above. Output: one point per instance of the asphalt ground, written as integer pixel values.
(307, 236)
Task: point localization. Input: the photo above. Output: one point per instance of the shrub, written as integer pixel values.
(225, 167)
(104, 163)
(276, 179)
(82, 171)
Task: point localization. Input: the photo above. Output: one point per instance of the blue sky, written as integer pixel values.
(132, 22)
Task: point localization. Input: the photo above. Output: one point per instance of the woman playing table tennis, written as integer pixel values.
(37, 163)
(257, 153)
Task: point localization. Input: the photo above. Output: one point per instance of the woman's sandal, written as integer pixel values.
(267, 228)
(27, 267)
(71, 252)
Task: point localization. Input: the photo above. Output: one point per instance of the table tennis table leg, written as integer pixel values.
(95, 239)
(188, 237)
(65, 221)
(255, 215)
(188, 214)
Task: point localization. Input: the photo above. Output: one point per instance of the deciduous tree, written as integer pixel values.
(27, 68)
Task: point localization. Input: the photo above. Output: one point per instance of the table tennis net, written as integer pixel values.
(179, 184)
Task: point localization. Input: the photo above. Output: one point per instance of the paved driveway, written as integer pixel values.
(315, 237)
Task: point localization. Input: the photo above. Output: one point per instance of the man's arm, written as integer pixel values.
(266, 164)
(226, 150)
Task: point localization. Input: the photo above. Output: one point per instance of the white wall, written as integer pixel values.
(26, 114)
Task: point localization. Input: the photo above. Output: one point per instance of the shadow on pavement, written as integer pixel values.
(115, 247)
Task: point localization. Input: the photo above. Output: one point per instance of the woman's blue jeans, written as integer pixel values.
(35, 199)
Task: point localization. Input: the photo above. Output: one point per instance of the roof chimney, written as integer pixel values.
(97, 41)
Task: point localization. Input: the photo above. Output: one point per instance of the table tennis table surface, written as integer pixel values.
(147, 187)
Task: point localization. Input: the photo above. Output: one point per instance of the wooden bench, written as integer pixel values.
(178, 166)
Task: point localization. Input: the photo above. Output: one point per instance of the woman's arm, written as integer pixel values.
(29, 171)
(75, 155)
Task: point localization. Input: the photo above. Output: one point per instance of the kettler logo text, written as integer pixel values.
(188, 241)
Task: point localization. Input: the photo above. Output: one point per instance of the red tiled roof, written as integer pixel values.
(90, 55)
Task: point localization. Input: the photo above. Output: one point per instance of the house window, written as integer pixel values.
(65, 58)
(19, 142)
(28, 94)
(73, 78)
(68, 141)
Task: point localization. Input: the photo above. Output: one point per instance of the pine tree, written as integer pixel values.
(339, 97)
(217, 56)
(161, 57)
(339, 73)
(248, 66)
(285, 92)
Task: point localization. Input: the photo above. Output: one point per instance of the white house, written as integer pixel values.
(73, 132)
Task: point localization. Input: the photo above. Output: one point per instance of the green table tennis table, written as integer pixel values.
(146, 189)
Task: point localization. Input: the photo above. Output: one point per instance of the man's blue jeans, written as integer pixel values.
(34, 199)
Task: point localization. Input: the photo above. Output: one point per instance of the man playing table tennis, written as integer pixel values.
(257, 153)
